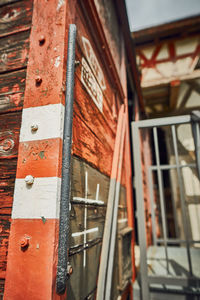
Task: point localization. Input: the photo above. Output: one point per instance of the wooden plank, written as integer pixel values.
(14, 51)
(87, 146)
(12, 86)
(100, 124)
(15, 17)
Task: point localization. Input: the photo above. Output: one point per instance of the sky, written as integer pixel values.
(147, 13)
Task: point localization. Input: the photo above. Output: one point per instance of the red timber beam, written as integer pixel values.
(32, 254)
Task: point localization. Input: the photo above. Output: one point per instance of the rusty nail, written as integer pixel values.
(77, 63)
(24, 242)
(29, 179)
(41, 40)
(38, 80)
(69, 270)
(34, 127)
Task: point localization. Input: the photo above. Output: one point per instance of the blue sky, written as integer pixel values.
(146, 13)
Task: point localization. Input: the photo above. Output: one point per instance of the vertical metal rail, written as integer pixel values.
(114, 220)
(145, 294)
(150, 175)
(162, 202)
(182, 198)
(63, 247)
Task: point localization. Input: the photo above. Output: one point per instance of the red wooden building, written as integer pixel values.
(34, 56)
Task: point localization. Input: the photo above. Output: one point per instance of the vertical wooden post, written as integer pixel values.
(32, 254)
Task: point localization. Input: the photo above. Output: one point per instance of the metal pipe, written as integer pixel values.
(63, 247)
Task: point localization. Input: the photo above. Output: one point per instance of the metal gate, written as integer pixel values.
(169, 260)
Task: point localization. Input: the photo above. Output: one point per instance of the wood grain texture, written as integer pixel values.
(87, 146)
(9, 140)
(12, 87)
(9, 135)
(15, 17)
(14, 51)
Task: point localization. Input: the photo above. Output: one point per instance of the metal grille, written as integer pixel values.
(163, 251)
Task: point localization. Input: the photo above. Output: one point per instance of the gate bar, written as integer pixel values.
(184, 215)
(145, 294)
(162, 202)
(170, 167)
(159, 122)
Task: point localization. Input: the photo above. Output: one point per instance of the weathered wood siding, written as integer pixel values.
(15, 24)
(94, 131)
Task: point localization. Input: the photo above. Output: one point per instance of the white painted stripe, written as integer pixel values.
(88, 201)
(85, 232)
(48, 118)
(41, 199)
